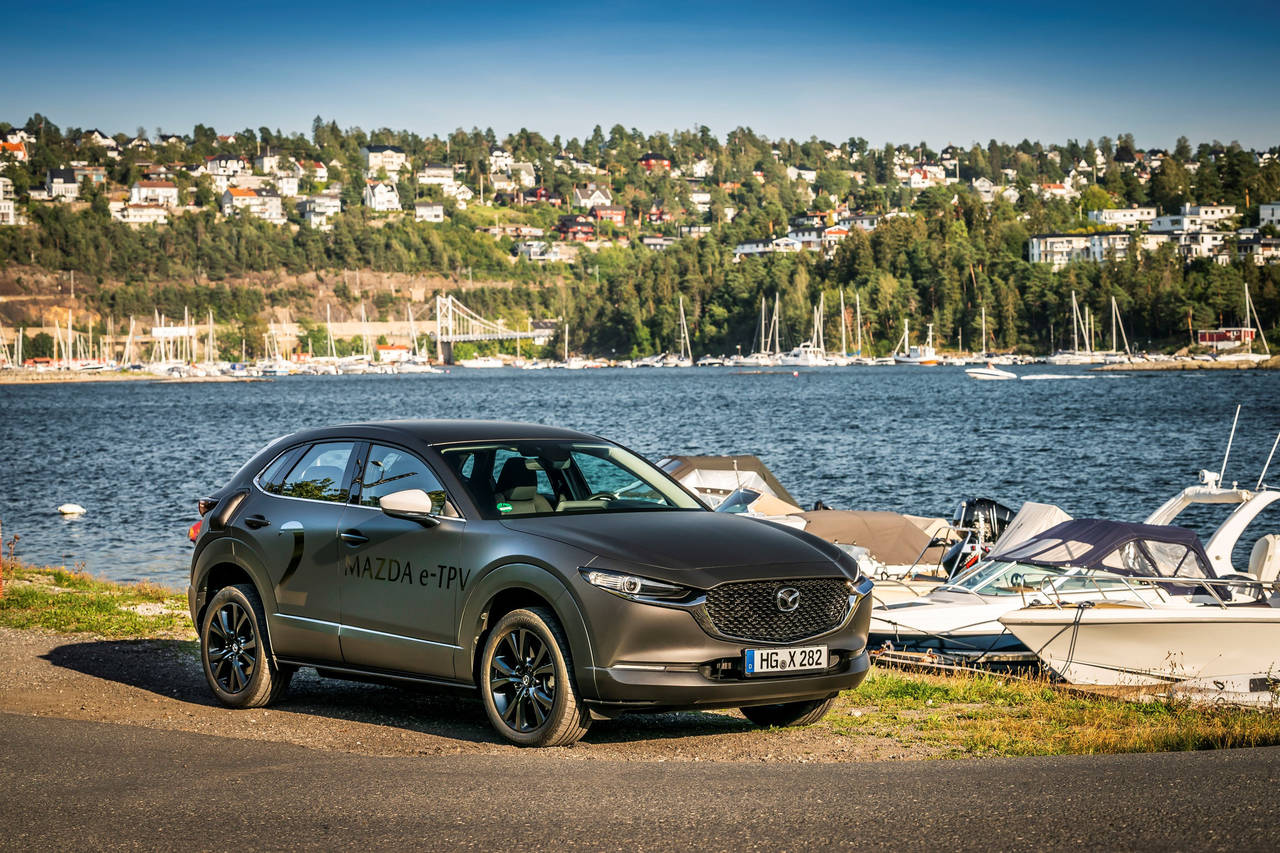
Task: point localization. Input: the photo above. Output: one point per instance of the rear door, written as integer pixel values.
(290, 520)
(400, 580)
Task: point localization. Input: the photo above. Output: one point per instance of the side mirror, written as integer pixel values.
(414, 505)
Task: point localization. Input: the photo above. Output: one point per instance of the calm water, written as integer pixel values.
(138, 454)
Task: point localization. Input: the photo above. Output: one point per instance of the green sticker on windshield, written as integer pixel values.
(504, 507)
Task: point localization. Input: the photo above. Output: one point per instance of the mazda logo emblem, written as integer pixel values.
(787, 599)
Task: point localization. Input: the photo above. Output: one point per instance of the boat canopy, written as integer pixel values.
(713, 478)
(1032, 520)
(1116, 546)
(891, 538)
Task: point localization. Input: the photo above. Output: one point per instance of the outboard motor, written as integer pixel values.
(987, 518)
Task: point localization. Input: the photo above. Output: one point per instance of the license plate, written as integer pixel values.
(776, 661)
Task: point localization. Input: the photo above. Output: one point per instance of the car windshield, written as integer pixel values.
(534, 478)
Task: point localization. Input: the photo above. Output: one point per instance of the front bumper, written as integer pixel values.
(652, 658)
(625, 689)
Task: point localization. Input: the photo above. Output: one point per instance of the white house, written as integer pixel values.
(502, 183)
(101, 140)
(701, 199)
(141, 214)
(6, 189)
(316, 219)
(802, 173)
(164, 193)
(287, 184)
(62, 184)
(263, 204)
(1058, 250)
(8, 212)
(701, 168)
(864, 221)
(389, 157)
(1059, 191)
(324, 204)
(225, 164)
(1268, 214)
(524, 174)
(1209, 212)
(461, 192)
(381, 196)
(435, 174)
(1123, 217)
(268, 162)
(428, 211)
(500, 160)
(592, 195)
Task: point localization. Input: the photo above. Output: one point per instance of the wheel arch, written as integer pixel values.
(219, 567)
(512, 587)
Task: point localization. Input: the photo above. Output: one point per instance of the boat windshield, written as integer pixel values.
(1000, 577)
(536, 478)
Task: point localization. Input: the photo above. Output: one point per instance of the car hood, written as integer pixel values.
(679, 541)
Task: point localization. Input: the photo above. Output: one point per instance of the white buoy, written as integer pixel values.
(71, 509)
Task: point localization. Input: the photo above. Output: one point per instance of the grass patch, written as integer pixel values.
(58, 599)
(984, 715)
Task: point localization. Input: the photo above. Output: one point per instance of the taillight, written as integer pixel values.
(206, 504)
(194, 530)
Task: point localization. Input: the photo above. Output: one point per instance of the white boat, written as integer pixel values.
(485, 362)
(990, 372)
(924, 355)
(962, 616)
(1080, 323)
(805, 355)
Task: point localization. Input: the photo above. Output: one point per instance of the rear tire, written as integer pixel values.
(526, 681)
(235, 652)
(789, 713)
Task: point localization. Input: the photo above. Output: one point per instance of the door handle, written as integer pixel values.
(256, 521)
(353, 537)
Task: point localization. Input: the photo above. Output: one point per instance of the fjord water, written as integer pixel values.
(137, 455)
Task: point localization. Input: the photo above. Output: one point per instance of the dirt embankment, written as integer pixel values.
(31, 295)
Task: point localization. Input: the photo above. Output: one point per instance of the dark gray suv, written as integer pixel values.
(560, 575)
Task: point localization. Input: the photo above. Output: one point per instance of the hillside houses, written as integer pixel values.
(592, 195)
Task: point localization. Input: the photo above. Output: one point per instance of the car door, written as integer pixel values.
(290, 520)
(400, 579)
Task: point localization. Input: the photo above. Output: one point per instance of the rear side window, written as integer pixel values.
(391, 469)
(272, 477)
(320, 474)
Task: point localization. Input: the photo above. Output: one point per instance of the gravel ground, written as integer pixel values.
(158, 684)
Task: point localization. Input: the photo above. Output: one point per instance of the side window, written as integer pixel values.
(391, 469)
(319, 475)
(272, 477)
(503, 455)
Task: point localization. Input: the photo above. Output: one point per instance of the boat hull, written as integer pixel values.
(1159, 645)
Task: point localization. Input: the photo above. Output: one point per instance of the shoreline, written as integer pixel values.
(1189, 364)
(54, 377)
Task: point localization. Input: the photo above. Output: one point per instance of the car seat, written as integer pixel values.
(518, 486)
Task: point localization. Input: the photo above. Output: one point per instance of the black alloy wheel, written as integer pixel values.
(523, 680)
(236, 652)
(233, 647)
(526, 681)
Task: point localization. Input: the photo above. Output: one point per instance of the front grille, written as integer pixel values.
(749, 611)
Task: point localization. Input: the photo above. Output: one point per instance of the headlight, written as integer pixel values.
(630, 586)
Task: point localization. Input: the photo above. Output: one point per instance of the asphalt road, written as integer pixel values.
(75, 785)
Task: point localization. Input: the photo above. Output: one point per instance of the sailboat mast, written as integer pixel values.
(844, 321)
(857, 302)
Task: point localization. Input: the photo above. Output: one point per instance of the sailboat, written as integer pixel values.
(1115, 355)
(1080, 323)
(417, 362)
(765, 354)
(810, 353)
(924, 355)
(685, 356)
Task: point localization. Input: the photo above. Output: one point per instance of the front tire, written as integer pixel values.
(789, 713)
(235, 652)
(526, 681)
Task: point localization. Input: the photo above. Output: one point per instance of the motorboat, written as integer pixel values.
(1073, 561)
(924, 355)
(805, 355)
(482, 362)
(1227, 632)
(989, 373)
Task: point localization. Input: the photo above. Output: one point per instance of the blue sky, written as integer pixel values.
(939, 72)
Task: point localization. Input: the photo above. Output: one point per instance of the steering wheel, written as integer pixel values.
(603, 496)
(1017, 579)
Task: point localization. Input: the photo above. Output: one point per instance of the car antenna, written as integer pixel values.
(1222, 475)
(1268, 465)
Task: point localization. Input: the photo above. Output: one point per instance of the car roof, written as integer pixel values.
(446, 431)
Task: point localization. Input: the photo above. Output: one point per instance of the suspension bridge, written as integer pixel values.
(456, 323)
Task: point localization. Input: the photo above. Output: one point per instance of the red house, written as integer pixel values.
(653, 161)
(612, 213)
